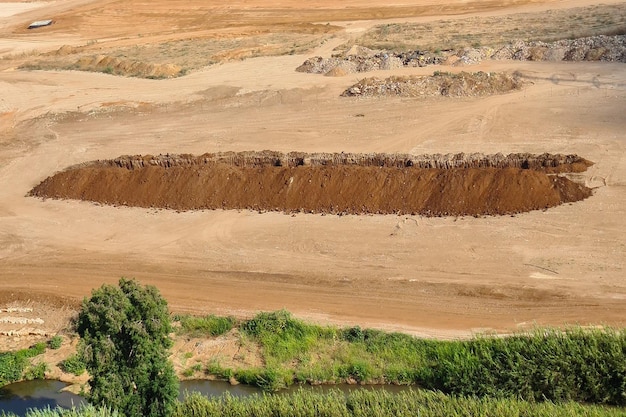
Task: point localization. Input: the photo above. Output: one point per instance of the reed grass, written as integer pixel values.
(574, 364)
(210, 325)
(366, 403)
(359, 403)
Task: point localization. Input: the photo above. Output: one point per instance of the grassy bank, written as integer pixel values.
(583, 365)
(363, 403)
(15, 366)
(553, 365)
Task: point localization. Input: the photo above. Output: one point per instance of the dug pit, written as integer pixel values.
(429, 185)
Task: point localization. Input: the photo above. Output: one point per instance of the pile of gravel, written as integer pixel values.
(594, 48)
(359, 59)
(366, 60)
(463, 84)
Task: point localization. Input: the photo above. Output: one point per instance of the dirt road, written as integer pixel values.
(440, 277)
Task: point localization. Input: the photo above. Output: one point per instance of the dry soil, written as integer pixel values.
(440, 277)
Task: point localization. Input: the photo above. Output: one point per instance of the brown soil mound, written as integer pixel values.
(326, 183)
(446, 84)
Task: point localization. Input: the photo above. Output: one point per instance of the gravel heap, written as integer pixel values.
(367, 60)
(463, 84)
(360, 59)
(595, 48)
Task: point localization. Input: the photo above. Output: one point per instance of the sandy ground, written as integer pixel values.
(440, 277)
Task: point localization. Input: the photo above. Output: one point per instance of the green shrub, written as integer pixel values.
(73, 365)
(125, 334)
(12, 364)
(37, 349)
(55, 342)
(11, 367)
(189, 372)
(214, 368)
(37, 371)
(283, 337)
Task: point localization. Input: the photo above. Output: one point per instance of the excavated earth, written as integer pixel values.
(360, 59)
(430, 185)
(445, 84)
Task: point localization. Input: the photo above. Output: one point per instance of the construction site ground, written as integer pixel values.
(442, 277)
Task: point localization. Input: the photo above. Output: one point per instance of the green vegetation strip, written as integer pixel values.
(362, 403)
(210, 325)
(583, 365)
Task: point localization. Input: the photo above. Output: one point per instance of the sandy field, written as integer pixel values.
(439, 277)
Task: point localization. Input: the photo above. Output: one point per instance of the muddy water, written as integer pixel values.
(19, 397)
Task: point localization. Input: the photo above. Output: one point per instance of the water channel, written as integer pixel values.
(18, 398)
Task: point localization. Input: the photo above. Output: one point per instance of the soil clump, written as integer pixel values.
(437, 185)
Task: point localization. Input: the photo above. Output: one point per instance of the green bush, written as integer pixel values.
(283, 337)
(37, 371)
(55, 342)
(73, 365)
(37, 349)
(12, 364)
(125, 332)
(214, 368)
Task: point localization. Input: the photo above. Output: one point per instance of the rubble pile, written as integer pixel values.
(463, 84)
(360, 59)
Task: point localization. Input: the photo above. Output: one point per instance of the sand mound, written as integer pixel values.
(325, 183)
(117, 66)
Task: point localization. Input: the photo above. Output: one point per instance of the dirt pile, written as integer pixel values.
(323, 183)
(360, 59)
(594, 48)
(445, 84)
(117, 66)
(550, 163)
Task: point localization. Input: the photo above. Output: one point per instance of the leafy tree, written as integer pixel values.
(125, 334)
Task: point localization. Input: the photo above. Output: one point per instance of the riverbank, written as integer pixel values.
(274, 351)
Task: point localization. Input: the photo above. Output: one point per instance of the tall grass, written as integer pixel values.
(86, 411)
(557, 365)
(210, 325)
(495, 31)
(579, 365)
(360, 403)
(366, 403)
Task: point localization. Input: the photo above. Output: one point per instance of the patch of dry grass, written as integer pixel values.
(186, 54)
(498, 30)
